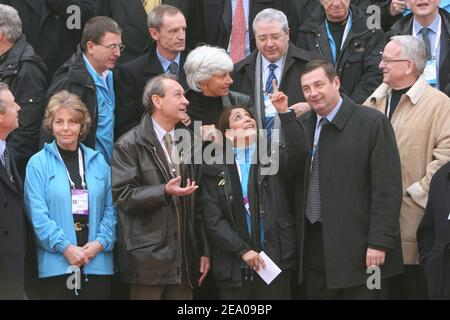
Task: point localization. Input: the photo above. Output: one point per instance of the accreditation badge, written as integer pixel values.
(430, 72)
(80, 203)
(269, 108)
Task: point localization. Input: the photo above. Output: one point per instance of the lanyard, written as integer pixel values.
(80, 170)
(347, 29)
(436, 41)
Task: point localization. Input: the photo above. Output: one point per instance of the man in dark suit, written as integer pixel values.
(131, 15)
(211, 21)
(437, 23)
(275, 59)
(348, 205)
(167, 27)
(46, 26)
(27, 77)
(13, 241)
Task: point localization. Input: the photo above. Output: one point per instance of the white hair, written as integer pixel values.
(10, 23)
(203, 62)
(271, 15)
(413, 49)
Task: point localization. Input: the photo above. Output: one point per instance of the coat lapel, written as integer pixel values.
(36, 5)
(4, 176)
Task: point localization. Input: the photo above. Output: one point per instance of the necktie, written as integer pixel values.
(426, 40)
(7, 164)
(149, 5)
(168, 142)
(272, 76)
(269, 89)
(313, 203)
(237, 41)
(173, 68)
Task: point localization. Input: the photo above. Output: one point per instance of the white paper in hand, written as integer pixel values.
(271, 271)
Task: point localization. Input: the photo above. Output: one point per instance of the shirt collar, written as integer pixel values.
(333, 112)
(160, 131)
(433, 25)
(2, 147)
(165, 63)
(92, 70)
(279, 63)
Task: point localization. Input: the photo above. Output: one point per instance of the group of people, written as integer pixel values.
(233, 129)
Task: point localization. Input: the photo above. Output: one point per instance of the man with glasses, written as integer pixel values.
(88, 74)
(339, 33)
(420, 116)
(274, 61)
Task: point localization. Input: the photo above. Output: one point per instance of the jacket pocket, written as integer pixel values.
(144, 240)
(287, 238)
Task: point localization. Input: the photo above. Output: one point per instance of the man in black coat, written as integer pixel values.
(348, 205)
(211, 21)
(164, 252)
(305, 8)
(433, 236)
(88, 74)
(27, 77)
(413, 23)
(132, 19)
(273, 51)
(16, 269)
(52, 28)
(167, 26)
(338, 32)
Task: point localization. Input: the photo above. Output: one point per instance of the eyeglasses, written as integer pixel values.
(113, 46)
(386, 60)
(273, 37)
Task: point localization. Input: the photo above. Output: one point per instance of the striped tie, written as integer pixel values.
(269, 89)
(7, 164)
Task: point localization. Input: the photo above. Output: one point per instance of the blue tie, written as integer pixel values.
(269, 89)
(272, 76)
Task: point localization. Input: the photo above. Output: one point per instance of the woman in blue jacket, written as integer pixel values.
(68, 198)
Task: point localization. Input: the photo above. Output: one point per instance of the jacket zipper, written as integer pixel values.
(222, 175)
(166, 175)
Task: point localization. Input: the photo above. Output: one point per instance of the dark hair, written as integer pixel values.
(224, 120)
(327, 66)
(155, 86)
(96, 28)
(156, 16)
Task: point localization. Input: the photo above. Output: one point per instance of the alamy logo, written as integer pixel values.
(374, 19)
(74, 280)
(73, 21)
(374, 280)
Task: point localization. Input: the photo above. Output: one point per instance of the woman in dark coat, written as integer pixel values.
(433, 236)
(246, 212)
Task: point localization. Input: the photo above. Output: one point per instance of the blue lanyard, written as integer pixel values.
(347, 29)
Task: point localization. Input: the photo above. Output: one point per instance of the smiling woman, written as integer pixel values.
(68, 198)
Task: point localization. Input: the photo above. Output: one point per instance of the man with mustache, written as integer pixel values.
(88, 74)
